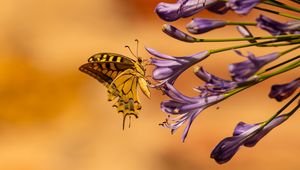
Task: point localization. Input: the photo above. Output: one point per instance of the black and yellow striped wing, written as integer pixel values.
(118, 74)
(105, 67)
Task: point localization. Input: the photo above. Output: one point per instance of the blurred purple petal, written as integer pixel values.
(283, 91)
(177, 34)
(213, 84)
(201, 25)
(227, 148)
(242, 7)
(244, 70)
(274, 123)
(168, 68)
(185, 108)
(218, 7)
(244, 134)
(241, 128)
(181, 9)
(277, 28)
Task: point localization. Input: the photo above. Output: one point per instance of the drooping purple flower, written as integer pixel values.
(168, 68)
(277, 28)
(283, 91)
(244, 134)
(244, 70)
(213, 84)
(177, 34)
(181, 9)
(242, 7)
(201, 25)
(218, 7)
(184, 108)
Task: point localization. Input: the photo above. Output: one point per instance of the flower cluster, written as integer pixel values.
(182, 109)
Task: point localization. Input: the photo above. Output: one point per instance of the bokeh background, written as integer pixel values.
(53, 117)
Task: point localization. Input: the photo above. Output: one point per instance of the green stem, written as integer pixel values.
(283, 108)
(280, 64)
(281, 5)
(289, 50)
(285, 62)
(248, 38)
(278, 13)
(294, 110)
(241, 23)
(242, 46)
(285, 69)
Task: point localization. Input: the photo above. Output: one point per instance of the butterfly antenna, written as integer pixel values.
(129, 122)
(124, 119)
(137, 47)
(130, 50)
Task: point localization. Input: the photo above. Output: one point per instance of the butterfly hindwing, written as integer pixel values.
(126, 86)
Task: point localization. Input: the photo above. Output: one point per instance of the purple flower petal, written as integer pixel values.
(277, 28)
(201, 25)
(168, 68)
(181, 9)
(244, 70)
(177, 34)
(242, 7)
(218, 7)
(214, 84)
(274, 123)
(244, 134)
(185, 108)
(283, 91)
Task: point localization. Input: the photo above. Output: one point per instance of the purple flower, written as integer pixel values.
(218, 7)
(201, 25)
(277, 28)
(283, 91)
(244, 134)
(244, 70)
(185, 109)
(168, 68)
(177, 34)
(213, 84)
(181, 9)
(242, 7)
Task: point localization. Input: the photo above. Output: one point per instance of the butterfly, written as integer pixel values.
(122, 76)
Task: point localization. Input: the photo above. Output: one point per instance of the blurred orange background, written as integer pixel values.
(53, 117)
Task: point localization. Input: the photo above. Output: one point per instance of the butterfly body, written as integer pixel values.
(121, 76)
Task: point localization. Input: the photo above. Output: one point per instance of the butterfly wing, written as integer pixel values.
(125, 85)
(117, 73)
(105, 67)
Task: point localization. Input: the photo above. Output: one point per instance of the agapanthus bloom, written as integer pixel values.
(283, 91)
(181, 9)
(277, 28)
(168, 68)
(177, 34)
(213, 84)
(184, 108)
(244, 134)
(242, 7)
(201, 25)
(243, 70)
